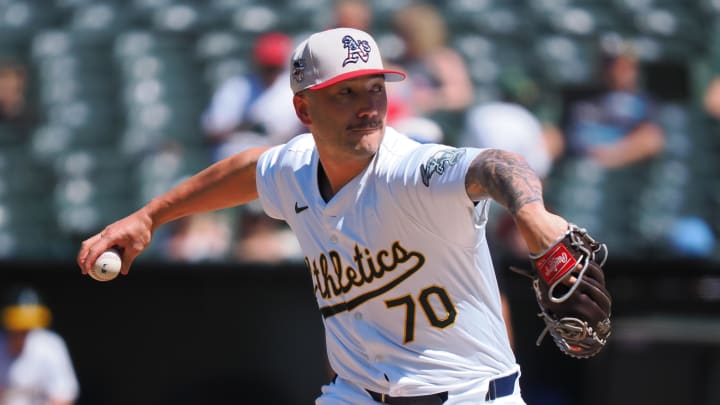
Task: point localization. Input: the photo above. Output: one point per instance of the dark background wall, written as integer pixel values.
(187, 335)
(236, 334)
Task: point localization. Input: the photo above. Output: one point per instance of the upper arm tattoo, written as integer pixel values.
(505, 177)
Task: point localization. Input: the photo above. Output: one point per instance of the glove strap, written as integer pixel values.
(557, 262)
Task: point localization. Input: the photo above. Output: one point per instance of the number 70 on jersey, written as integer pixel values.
(434, 303)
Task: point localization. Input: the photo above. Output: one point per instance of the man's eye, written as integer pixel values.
(346, 90)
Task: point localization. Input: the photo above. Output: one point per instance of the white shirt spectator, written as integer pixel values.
(255, 108)
(235, 103)
(509, 127)
(42, 372)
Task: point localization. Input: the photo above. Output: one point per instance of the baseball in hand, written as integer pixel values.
(107, 266)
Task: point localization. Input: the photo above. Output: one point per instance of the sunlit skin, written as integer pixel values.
(347, 121)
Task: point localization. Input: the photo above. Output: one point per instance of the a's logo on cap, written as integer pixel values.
(357, 50)
(298, 70)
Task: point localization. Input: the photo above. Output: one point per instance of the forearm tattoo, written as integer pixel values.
(505, 177)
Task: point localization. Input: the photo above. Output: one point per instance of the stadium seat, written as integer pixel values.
(134, 76)
(566, 61)
(582, 19)
(21, 177)
(22, 17)
(100, 18)
(157, 172)
(26, 215)
(255, 19)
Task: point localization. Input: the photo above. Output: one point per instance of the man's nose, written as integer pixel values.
(369, 106)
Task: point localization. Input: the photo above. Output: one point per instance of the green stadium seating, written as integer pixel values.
(123, 83)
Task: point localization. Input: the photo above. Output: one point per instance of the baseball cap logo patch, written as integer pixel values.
(331, 56)
(298, 68)
(357, 50)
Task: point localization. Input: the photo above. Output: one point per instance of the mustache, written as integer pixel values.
(366, 124)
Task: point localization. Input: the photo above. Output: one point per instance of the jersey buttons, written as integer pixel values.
(333, 239)
(358, 316)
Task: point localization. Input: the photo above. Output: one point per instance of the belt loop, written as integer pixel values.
(382, 398)
(492, 391)
(500, 387)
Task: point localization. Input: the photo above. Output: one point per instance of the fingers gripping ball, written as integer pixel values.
(107, 266)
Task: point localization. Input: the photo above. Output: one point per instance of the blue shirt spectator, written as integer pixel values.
(617, 127)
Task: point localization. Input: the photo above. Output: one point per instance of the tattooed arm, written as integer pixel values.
(506, 178)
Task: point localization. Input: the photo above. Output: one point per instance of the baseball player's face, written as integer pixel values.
(347, 119)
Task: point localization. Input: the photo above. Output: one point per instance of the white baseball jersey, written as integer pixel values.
(43, 371)
(399, 262)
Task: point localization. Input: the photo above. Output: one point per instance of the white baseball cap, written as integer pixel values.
(338, 54)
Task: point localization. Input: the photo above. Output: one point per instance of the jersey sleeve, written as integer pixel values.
(430, 183)
(267, 180)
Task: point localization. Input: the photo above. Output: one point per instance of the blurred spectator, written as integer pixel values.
(353, 14)
(255, 108)
(198, 238)
(618, 127)
(438, 79)
(511, 126)
(711, 96)
(691, 236)
(711, 99)
(212, 237)
(246, 111)
(35, 366)
(263, 239)
(15, 116)
(201, 238)
(517, 88)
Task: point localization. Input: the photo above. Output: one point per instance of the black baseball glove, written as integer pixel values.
(569, 285)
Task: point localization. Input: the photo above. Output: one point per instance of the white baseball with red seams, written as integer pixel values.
(107, 266)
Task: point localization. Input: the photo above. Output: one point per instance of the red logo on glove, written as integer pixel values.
(554, 264)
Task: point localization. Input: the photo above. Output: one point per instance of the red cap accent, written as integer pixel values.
(396, 76)
(273, 49)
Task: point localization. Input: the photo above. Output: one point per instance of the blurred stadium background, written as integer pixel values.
(117, 89)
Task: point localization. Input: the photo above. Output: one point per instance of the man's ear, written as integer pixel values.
(301, 109)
